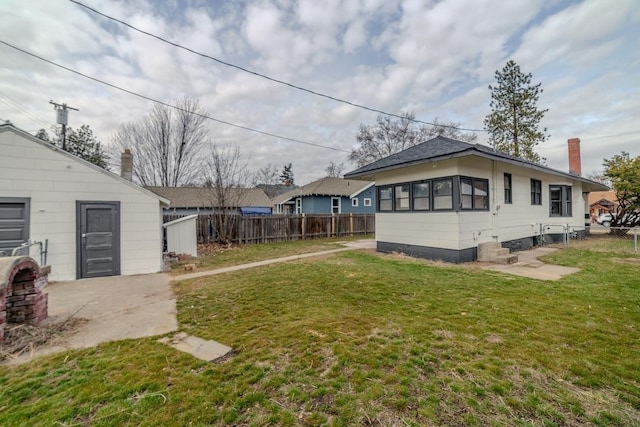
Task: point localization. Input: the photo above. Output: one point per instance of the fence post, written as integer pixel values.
(333, 225)
(351, 224)
(304, 226)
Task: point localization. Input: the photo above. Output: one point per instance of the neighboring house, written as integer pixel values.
(442, 198)
(601, 202)
(203, 200)
(328, 195)
(96, 223)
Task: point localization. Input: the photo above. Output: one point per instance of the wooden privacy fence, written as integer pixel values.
(275, 228)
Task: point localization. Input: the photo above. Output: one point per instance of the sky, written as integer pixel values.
(434, 58)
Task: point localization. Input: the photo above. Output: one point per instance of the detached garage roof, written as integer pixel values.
(204, 197)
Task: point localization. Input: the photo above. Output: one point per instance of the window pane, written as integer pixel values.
(421, 196)
(442, 202)
(442, 187)
(481, 194)
(467, 201)
(386, 193)
(466, 186)
(442, 194)
(421, 204)
(421, 189)
(536, 192)
(402, 197)
(508, 198)
(386, 205)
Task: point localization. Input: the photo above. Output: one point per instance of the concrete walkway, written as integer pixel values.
(529, 265)
(349, 246)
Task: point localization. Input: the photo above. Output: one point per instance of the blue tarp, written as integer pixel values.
(251, 210)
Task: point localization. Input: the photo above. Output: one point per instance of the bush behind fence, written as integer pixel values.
(276, 228)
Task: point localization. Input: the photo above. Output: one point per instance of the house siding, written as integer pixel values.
(322, 204)
(369, 193)
(519, 222)
(54, 182)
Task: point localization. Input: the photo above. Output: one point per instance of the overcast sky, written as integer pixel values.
(435, 58)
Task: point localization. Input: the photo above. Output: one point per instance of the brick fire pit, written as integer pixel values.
(21, 296)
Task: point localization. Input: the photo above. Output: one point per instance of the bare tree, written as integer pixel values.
(267, 179)
(334, 169)
(599, 176)
(391, 135)
(226, 178)
(166, 144)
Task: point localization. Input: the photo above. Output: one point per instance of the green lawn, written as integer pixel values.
(358, 339)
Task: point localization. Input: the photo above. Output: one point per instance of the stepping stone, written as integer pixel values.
(205, 350)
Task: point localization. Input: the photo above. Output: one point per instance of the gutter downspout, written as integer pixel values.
(494, 202)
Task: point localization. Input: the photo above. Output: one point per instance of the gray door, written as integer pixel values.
(14, 223)
(98, 239)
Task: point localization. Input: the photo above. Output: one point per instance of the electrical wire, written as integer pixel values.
(282, 82)
(170, 105)
(17, 106)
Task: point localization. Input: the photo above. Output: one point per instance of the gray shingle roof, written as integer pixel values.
(327, 186)
(202, 197)
(441, 148)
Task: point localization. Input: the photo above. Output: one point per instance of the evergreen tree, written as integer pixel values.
(286, 176)
(513, 123)
(81, 143)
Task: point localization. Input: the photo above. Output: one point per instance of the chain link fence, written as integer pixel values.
(622, 240)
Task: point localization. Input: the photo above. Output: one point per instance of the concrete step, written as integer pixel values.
(501, 252)
(506, 259)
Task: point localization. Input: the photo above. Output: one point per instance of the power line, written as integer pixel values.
(255, 73)
(16, 105)
(170, 105)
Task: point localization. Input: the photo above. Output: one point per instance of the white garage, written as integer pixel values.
(96, 223)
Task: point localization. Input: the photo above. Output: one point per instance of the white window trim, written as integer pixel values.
(299, 205)
(354, 203)
(339, 205)
(367, 201)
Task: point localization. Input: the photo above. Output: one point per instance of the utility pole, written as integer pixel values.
(62, 118)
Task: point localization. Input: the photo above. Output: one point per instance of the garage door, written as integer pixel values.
(14, 223)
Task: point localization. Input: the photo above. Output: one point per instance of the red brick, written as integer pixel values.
(575, 160)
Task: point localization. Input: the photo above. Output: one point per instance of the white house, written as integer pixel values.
(442, 198)
(96, 223)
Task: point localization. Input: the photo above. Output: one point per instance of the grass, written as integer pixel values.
(234, 255)
(356, 338)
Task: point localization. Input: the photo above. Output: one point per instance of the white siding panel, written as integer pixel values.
(416, 173)
(439, 230)
(474, 228)
(54, 182)
(182, 236)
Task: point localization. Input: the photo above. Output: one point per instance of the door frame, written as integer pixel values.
(116, 232)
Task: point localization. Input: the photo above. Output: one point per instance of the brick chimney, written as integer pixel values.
(126, 165)
(575, 162)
